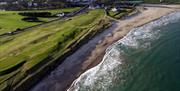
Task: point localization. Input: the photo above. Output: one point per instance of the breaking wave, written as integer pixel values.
(108, 73)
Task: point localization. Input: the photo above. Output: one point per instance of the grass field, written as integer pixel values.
(10, 20)
(21, 53)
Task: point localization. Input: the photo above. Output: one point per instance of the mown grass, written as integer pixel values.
(10, 20)
(47, 41)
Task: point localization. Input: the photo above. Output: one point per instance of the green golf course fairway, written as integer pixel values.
(11, 20)
(23, 54)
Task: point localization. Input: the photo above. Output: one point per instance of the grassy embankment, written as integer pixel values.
(11, 20)
(120, 13)
(24, 57)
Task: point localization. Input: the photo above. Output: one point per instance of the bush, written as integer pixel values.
(31, 19)
(36, 14)
(18, 29)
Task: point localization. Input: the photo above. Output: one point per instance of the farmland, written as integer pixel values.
(11, 20)
(27, 53)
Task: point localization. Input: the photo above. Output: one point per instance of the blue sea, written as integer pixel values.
(146, 59)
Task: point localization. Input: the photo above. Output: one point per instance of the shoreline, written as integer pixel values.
(113, 67)
(62, 77)
(125, 26)
(65, 74)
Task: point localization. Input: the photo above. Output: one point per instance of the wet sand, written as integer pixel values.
(62, 77)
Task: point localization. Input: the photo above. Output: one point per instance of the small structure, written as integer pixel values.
(114, 9)
(61, 15)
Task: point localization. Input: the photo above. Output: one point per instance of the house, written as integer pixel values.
(114, 9)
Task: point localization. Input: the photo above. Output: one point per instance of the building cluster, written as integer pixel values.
(52, 4)
(29, 4)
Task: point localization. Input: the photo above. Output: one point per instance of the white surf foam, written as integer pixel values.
(103, 75)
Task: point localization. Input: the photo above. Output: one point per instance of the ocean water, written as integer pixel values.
(146, 59)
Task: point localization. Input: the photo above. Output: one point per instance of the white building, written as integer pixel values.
(114, 9)
(60, 15)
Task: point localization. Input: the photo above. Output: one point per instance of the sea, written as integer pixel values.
(146, 59)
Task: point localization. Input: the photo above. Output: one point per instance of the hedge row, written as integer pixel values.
(31, 19)
(36, 14)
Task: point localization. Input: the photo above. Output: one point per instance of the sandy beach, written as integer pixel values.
(91, 54)
(124, 26)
